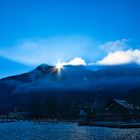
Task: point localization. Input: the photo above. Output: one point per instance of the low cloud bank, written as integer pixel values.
(71, 50)
(76, 61)
(121, 57)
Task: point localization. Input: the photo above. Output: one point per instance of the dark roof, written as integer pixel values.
(124, 104)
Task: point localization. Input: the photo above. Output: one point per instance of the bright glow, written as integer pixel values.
(75, 62)
(59, 66)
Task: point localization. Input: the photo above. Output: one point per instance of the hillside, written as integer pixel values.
(78, 84)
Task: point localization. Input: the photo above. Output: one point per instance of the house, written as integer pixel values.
(118, 110)
(115, 111)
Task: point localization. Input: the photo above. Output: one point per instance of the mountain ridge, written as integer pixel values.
(78, 84)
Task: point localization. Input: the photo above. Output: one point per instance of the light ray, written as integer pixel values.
(59, 67)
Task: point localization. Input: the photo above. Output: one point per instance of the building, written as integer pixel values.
(115, 111)
(118, 110)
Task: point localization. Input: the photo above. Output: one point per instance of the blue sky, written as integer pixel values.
(47, 31)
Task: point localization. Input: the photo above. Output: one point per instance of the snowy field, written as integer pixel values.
(63, 131)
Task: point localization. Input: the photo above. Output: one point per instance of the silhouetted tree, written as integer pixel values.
(65, 107)
(35, 107)
(50, 106)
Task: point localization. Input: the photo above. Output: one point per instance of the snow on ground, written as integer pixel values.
(63, 131)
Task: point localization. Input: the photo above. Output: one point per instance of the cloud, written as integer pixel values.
(50, 50)
(64, 48)
(76, 61)
(111, 46)
(121, 57)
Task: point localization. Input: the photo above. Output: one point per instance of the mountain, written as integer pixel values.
(46, 77)
(78, 83)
